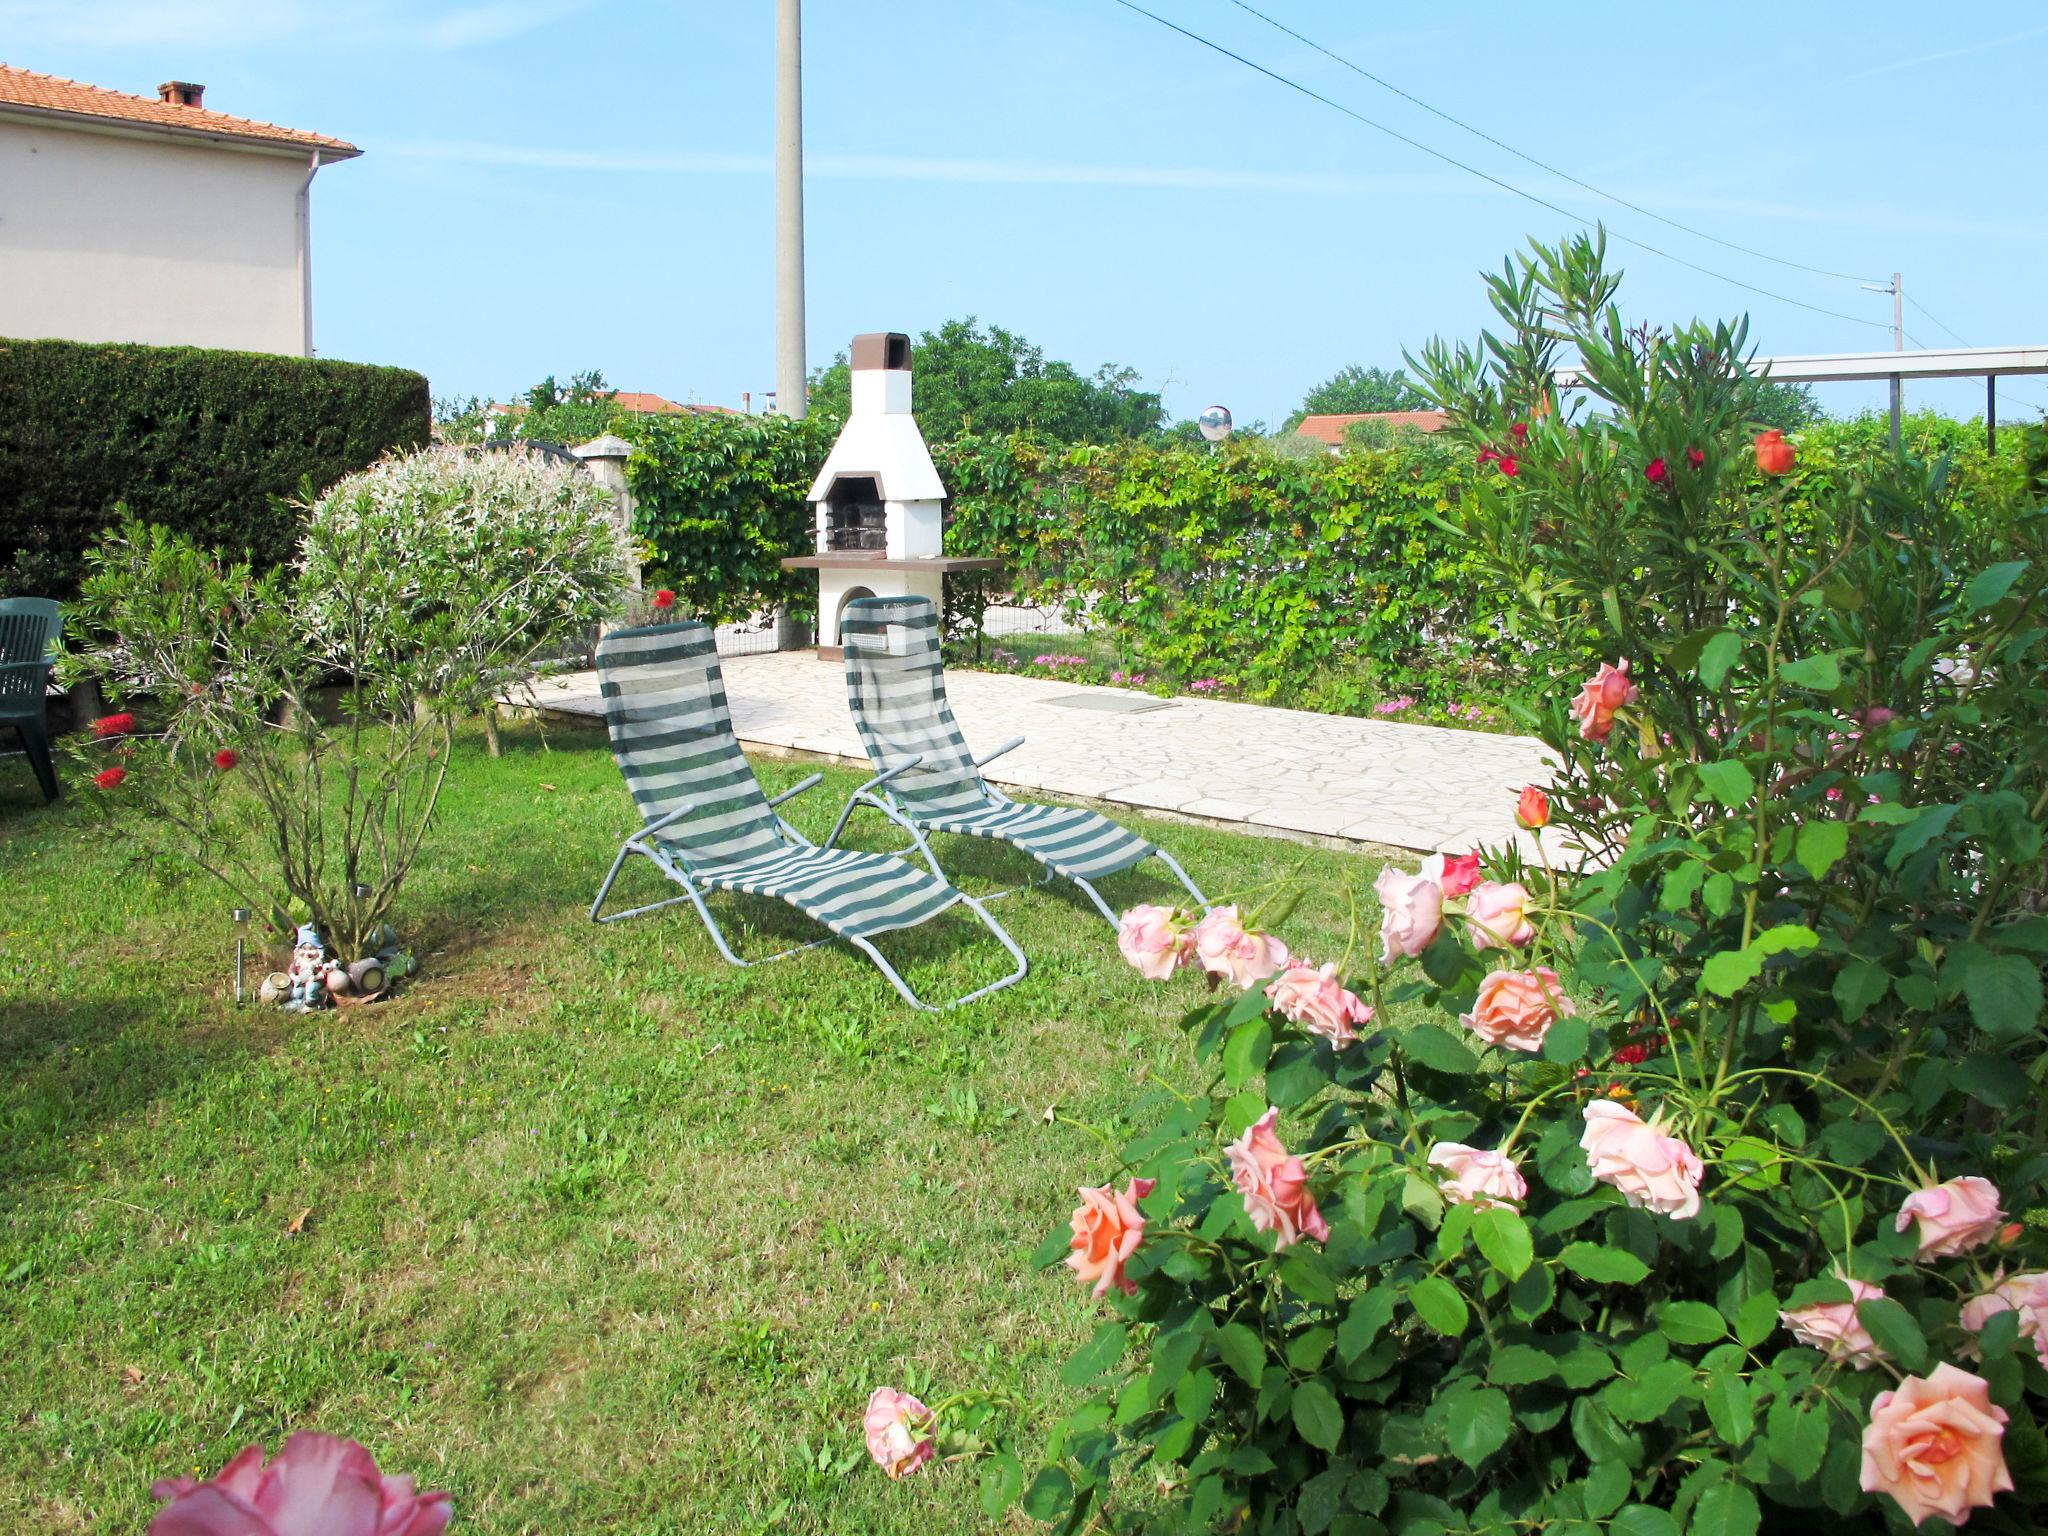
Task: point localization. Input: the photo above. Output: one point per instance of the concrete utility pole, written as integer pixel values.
(791, 387)
(1897, 290)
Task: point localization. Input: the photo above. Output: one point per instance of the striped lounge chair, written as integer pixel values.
(708, 827)
(927, 781)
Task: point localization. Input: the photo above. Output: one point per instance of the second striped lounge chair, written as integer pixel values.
(927, 781)
(708, 826)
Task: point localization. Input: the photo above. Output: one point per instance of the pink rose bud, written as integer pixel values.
(1601, 695)
(1320, 1003)
(318, 1485)
(1474, 1177)
(1274, 1185)
(901, 1432)
(1515, 1009)
(1155, 940)
(1107, 1230)
(1657, 1172)
(1497, 917)
(1954, 1217)
(1411, 912)
(1833, 1327)
(1227, 948)
(1936, 1446)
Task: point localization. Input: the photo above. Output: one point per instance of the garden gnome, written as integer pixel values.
(307, 971)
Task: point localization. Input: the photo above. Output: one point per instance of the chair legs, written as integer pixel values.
(35, 742)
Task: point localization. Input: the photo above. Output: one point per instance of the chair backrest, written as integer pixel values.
(896, 688)
(29, 627)
(671, 730)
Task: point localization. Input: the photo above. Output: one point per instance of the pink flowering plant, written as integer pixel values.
(1682, 1172)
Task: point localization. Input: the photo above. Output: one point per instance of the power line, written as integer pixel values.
(1613, 197)
(1473, 170)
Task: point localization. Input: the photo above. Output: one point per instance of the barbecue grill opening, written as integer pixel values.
(855, 518)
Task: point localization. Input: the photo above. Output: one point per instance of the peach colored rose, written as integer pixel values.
(1274, 1185)
(2024, 1294)
(1411, 912)
(1475, 1177)
(318, 1485)
(1833, 1327)
(1227, 948)
(1107, 1230)
(1599, 697)
(901, 1433)
(1655, 1171)
(1515, 1009)
(1497, 916)
(1156, 940)
(1454, 873)
(1954, 1217)
(1319, 1002)
(1936, 1446)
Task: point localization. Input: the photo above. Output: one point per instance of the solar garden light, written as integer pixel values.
(241, 916)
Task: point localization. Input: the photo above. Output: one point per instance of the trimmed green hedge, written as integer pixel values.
(203, 441)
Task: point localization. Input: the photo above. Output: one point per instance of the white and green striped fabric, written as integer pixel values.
(671, 732)
(896, 688)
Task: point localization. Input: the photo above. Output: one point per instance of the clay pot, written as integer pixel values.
(276, 987)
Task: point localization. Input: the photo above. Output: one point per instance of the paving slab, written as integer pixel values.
(1255, 767)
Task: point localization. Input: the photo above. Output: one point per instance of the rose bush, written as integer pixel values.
(1697, 1184)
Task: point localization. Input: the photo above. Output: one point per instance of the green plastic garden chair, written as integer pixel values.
(927, 781)
(29, 627)
(708, 826)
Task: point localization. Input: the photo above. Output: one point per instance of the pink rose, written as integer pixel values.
(1155, 940)
(1455, 874)
(1599, 697)
(902, 1435)
(1107, 1230)
(1833, 1327)
(2024, 1294)
(1954, 1217)
(318, 1485)
(1227, 948)
(1937, 1446)
(1275, 1186)
(1411, 912)
(1497, 915)
(1515, 1009)
(1475, 1177)
(1655, 1171)
(1318, 1002)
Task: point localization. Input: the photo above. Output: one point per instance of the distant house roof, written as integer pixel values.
(1331, 429)
(23, 91)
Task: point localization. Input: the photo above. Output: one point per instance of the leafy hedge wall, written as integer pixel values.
(200, 440)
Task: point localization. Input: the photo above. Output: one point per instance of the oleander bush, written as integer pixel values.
(1713, 1200)
(206, 442)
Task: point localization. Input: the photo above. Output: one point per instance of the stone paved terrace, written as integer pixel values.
(1252, 766)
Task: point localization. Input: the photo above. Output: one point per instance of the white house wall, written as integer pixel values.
(112, 238)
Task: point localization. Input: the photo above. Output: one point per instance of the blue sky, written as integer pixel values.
(551, 185)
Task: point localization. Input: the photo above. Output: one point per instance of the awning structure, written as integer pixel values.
(1987, 363)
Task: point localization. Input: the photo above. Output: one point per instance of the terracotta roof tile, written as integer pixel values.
(52, 93)
(1331, 429)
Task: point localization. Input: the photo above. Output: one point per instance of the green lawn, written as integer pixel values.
(593, 1230)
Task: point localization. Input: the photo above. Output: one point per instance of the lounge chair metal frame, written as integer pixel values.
(766, 839)
(926, 735)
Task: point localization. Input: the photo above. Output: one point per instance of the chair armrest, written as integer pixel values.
(661, 822)
(1009, 746)
(798, 788)
(889, 773)
(865, 793)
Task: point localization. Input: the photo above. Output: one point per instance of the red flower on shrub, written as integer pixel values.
(1486, 457)
(664, 600)
(109, 778)
(1695, 457)
(226, 758)
(1519, 432)
(113, 725)
(1659, 473)
(1632, 1055)
(1774, 455)
(1508, 466)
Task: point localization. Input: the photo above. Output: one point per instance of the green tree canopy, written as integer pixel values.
(979, 379)
(1788, 407)
(1360, 389)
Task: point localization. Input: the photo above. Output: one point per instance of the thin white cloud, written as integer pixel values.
(1945, 53)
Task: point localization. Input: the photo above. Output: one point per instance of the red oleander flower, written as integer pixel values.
(1658, 473)
(113, 725)
(1695, 457)
(664, 600)
(1519, 432)
(226, 758)
(1508, 466)
(109, 778)
(1486, 457)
